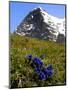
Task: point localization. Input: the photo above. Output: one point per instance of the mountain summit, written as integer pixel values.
(40, 24)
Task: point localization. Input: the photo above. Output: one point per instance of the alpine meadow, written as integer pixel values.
(37, 49)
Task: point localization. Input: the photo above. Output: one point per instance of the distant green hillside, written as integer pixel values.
(21, 73)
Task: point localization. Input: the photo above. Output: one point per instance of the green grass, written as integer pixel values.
(21, 73)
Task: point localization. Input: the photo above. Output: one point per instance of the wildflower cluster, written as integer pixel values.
(42, 71)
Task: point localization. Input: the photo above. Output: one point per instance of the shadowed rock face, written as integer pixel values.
(34, 26)
(61, 38)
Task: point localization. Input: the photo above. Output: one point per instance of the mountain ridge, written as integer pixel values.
(40, 24)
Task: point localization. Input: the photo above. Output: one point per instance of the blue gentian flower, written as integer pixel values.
(40, 74)
(38, 70)
(48, 71)
(50, 67)
(37, 61)
(38, 65)
(45, 72)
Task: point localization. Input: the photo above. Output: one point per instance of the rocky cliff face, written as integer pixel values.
(39, 24)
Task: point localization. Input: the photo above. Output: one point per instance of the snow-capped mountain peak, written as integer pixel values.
(39, 23)
(56, 23)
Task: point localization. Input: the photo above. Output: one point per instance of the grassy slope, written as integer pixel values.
(21, 71)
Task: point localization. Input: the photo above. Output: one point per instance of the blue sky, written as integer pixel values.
(19, 10)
